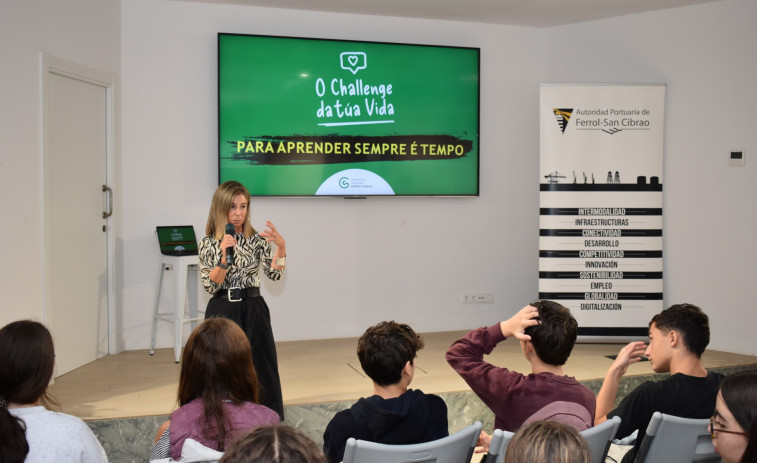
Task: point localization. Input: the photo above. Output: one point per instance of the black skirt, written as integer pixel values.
(253, 316)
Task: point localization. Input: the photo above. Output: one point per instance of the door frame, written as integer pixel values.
(49, 65)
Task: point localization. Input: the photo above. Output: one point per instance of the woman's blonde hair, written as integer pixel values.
(220, 206)
(547, 442)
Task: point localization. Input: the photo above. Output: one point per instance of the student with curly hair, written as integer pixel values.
(394, 414)
(677, 338)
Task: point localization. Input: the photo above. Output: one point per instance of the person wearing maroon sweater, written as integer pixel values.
(547, 332)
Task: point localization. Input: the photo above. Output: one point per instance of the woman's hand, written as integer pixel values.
(273, 236)
(228, 241)
(218, 274)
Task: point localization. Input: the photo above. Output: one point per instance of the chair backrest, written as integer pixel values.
(498, 446)
(457, 448)
(600, 437)
(673, 439)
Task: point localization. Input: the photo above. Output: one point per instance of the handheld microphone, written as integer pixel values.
(230, 250)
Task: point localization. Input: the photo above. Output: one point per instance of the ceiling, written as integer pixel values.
(531, 13)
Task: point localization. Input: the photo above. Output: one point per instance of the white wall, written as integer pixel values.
(351, 263)
(83, 31)
(706, 55)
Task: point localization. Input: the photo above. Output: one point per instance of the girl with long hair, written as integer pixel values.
(218, 392)
(29, 431)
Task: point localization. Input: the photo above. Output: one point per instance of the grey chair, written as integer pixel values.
(498, 446)
(673, 439)
(456, 448)
(600, 437)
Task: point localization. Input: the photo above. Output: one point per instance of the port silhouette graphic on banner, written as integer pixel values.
(600, 204)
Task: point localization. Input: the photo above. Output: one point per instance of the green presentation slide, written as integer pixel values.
(306, 117)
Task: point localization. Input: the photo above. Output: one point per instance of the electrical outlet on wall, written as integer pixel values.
(478, 298)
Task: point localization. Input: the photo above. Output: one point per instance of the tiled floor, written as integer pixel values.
(133, 383)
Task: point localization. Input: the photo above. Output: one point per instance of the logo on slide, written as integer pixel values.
(353, 61)
(359, 182)
(563, 117)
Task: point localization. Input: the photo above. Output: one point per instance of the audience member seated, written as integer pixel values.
(218, 392)
(677, 338)
(547, 442)
(29, 431)
(547, 332)
(274, 444)
(394, 414)
(734, 418)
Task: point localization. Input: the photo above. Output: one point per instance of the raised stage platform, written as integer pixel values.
(125, 397)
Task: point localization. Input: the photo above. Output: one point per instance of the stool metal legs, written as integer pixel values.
(182, 266)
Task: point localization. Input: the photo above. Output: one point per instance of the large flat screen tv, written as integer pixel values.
(315, 117)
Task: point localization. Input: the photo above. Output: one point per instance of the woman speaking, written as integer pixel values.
(232, 257)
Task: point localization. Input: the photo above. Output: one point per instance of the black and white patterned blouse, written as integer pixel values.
(250, 255)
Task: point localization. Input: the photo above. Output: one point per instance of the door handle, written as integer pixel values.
(109, 194)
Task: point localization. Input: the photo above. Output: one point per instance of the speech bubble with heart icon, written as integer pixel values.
(353, 61)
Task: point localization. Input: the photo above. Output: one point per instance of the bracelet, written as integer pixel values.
(225, 267)
(281, 261)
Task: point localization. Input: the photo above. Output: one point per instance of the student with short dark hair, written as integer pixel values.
(677, 338)
(547, 332)
(394, 414)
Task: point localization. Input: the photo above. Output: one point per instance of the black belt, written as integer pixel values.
(236, 294)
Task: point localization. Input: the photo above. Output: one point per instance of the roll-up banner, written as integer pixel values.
(600, 199)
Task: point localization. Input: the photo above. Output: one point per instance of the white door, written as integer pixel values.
(76, 147)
